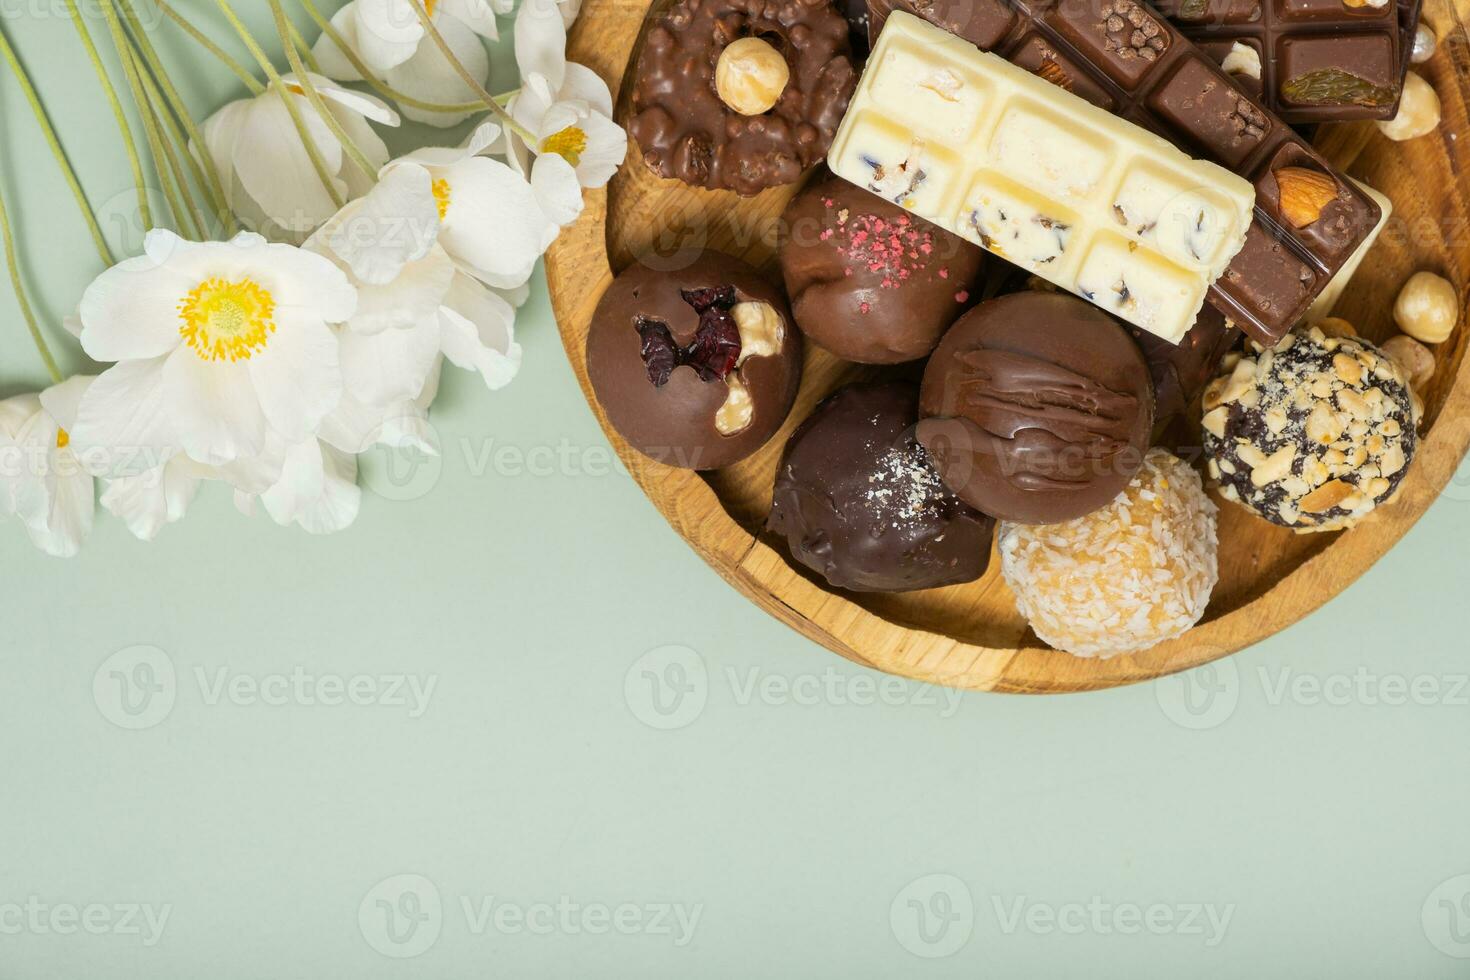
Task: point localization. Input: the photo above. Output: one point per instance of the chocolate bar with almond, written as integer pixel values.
(1124, 57)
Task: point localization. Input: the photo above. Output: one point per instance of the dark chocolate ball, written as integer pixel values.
(868, 281)
(695, 367)
(1036, 408)
(859, 503)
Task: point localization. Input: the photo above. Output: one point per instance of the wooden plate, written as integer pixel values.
(971, 635)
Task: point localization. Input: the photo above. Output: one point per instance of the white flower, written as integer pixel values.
(317, 489)
(493, 222)
(148, 501)
(389, 38)
(264, 165)
(413, 303)
(541, 37)
(218, 344)
(573, 122)
(41, 480)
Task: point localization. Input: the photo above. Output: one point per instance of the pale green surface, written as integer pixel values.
(529, 600)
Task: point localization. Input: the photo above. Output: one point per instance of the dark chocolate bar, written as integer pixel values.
(1313, 60)
(1123, 57)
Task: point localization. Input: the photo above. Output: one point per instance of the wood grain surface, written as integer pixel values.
(971, 635)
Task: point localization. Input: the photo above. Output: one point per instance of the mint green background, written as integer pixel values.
(795, 822)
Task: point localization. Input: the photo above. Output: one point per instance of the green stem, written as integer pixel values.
(210, 178)
(182, 218)
(280, 86)
(145, 213)
(496, 109)
(303, 48)
(13, 264)
(175, 145)
(314, 97)
(378, 85)
(234, 66)
(56, 150)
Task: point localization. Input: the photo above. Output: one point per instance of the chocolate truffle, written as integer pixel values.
(695, 367)
(1124, 578)
(859, 503)
(867, 280)
(1036, 407)
(1312, 434)
(762, 117)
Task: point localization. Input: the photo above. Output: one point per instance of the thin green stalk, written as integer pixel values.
(182, 218)
(280, 86)
(496, 109)
(303, 48)
(314, 97)
(234, 66)
(175, 145)
(56, 150)
(210, 179)
(13, 264)
(378, 85)
(135, 161)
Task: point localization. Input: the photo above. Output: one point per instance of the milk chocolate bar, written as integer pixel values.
(1123, 57)
(1083, 198)
(1310, 61)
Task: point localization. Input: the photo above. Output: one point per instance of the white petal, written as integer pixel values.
(355, 427)
(388, 32)
(478, 332)
(477, 15)
(396, 223)
(558, 191)
(216, 413)
(585, 84)
(297, 376)
(354, 104)
(494, 226)
(607, 147)
(541, 41)
(149, 501)
(317, 490)
(414, 295)
(131, 310)
(124, 424)
(275, 169)
(390, 365)
(221, 132)
(62, 400)
(303, 284)
(329, 56)
(430, 77)
(70, 520)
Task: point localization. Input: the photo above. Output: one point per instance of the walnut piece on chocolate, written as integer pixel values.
(688, 132)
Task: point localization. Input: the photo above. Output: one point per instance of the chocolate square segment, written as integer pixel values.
(1332, 10)
(1204, 14)
(1205, 111)
(981, 22)
(1267, 278)
(1335, 69)
(1123, 37)
(1218, 51)
(1039, 58)
(1343, 221)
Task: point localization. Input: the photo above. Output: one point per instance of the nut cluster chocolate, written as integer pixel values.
(1313, 434)
(686, 130)
(858, 501)
(867, 280)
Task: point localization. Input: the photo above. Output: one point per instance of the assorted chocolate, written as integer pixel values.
(867, 280)
(1036, 407)
(1124, 58)
(1125, 153)
(1312, 434)
(741, 95)
(858, 501)
(695, 367)
(1309, 61)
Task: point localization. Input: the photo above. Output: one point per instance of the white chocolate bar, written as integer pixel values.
(1322, 306)
(1040, 177)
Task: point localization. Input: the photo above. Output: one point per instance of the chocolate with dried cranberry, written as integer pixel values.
(858, 501)
(695, 367)
(868, 281)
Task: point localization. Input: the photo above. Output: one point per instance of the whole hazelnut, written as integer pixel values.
(1335, 326)
(1424, 44)
(750, 76)
(1418, 111)
(1427, 308)
(1413, 357)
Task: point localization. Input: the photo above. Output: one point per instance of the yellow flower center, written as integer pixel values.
(567, 143)
(429, 6)
(441, 196)
(63, 438)
(227, 320)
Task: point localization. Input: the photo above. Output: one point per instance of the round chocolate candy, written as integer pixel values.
(1036, 408)
(858, 501)
(695, 367)
(687, 130)
(1313, 434)
(867, 280)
